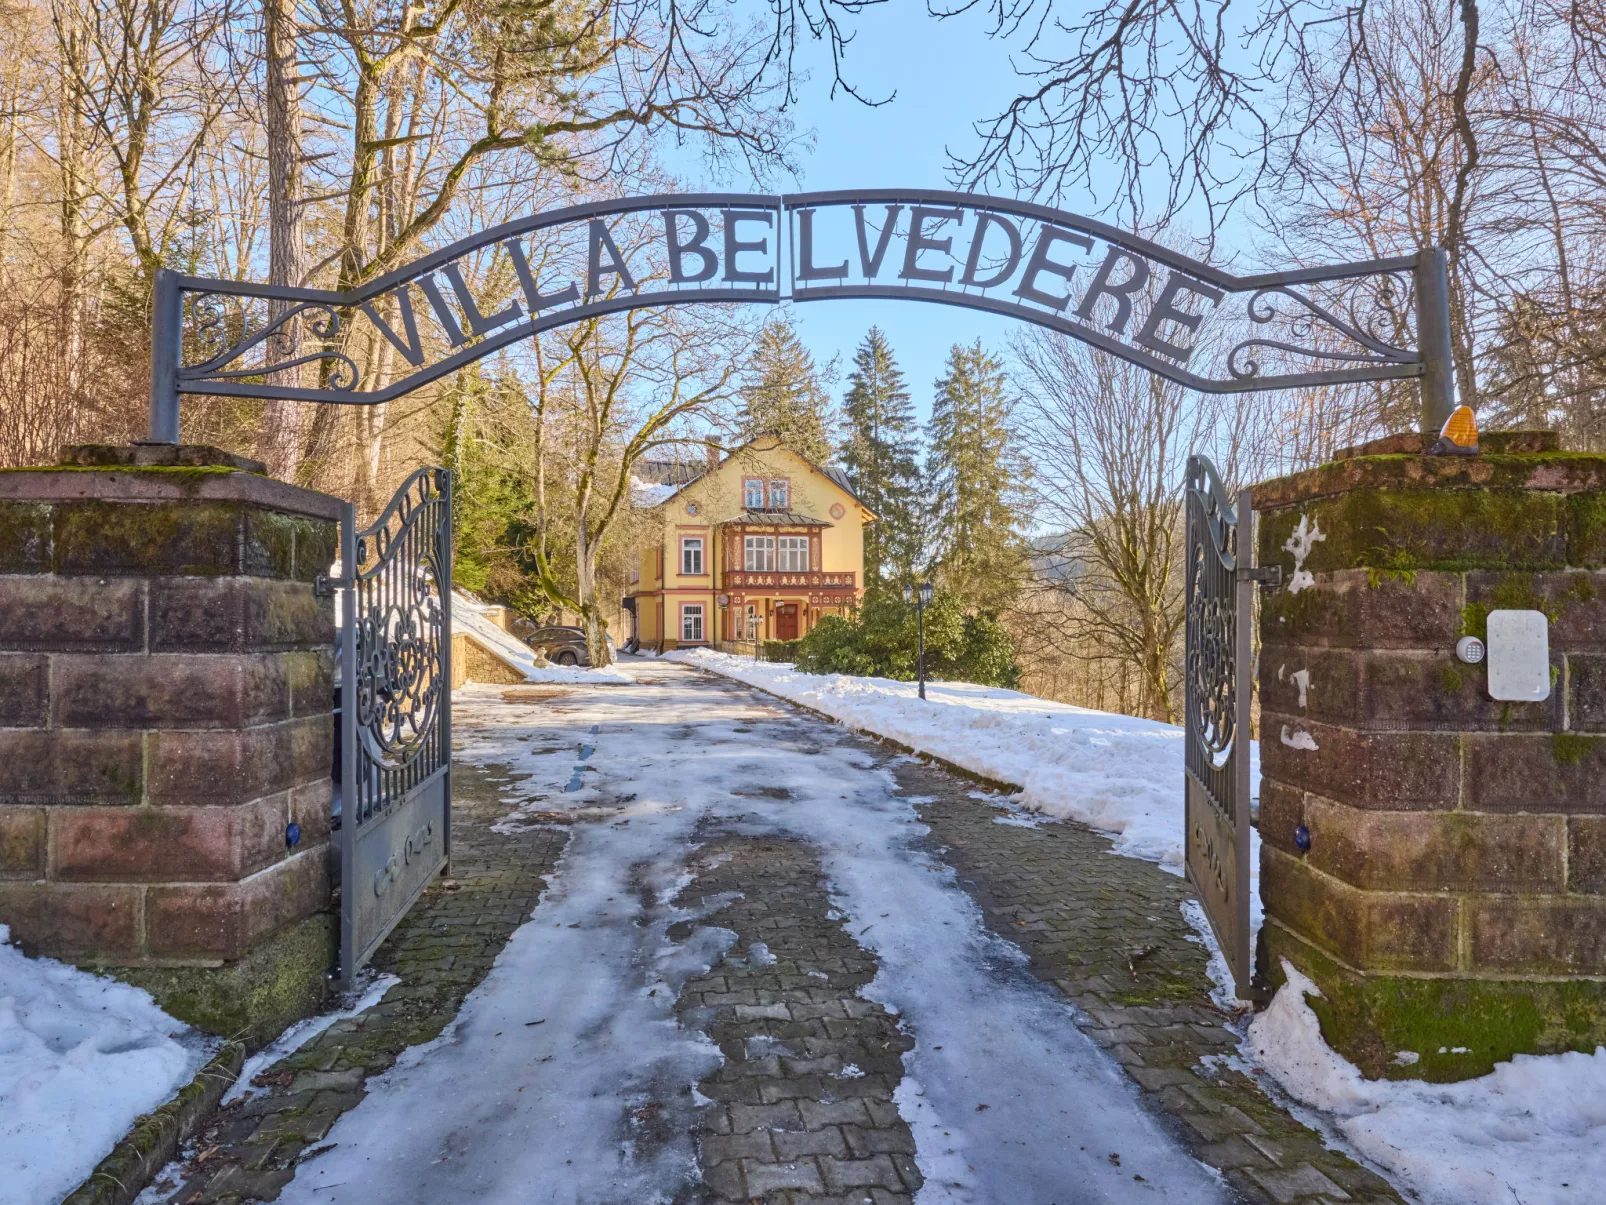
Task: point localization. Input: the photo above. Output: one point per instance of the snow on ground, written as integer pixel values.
(81, 1057)
(1120, 774)
(1532, 1131)
(529, 1094)
(303, 1031)
(470, 616)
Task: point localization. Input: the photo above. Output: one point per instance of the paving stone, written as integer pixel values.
(1086, 911)
(766, 1177)
(498, 880)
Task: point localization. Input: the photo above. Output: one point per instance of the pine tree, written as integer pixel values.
(782, 395)
(974, 476)
(879, 455)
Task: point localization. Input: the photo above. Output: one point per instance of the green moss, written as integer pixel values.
(1519, 592)
(25, 537)
(255, 999)
(1451, 679)
(1397, 532)
(1570, 748)
(1370, 1018)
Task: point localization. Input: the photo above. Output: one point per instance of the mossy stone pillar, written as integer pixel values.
(1451, 905)
(165, 718)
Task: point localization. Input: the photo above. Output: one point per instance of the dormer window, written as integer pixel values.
(759, 494)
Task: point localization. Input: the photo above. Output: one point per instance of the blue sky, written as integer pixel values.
(946, 75)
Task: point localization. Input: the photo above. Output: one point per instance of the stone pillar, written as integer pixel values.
(1452, 902)
(165, 717)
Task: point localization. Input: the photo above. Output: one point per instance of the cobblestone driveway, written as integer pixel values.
(802, 1108)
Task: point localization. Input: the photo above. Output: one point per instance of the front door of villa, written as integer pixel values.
(786, 621)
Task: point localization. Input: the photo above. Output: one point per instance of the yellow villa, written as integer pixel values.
(756, 547)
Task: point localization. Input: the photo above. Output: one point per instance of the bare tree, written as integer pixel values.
(1108, 442)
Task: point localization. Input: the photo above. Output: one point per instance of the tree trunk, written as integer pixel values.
(280, 437)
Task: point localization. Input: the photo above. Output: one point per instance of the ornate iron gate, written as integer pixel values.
(1220, 597)
(395, 715)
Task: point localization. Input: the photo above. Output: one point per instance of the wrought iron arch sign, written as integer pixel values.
(1177, 316)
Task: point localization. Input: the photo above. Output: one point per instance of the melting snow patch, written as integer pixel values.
(1532, 1130)
(81, 1057)
(302, 1032)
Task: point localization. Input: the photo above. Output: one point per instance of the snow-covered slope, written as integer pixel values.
(80, 1058)
(469, 616)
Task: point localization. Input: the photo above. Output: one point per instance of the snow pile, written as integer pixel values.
(470, 616)
(1533, 1130)
(1120, 774)
(80, 1058)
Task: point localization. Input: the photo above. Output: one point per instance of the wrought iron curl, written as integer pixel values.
(325, 324)
(1307, 323)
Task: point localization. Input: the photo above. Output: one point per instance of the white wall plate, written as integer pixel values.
(1519, 656)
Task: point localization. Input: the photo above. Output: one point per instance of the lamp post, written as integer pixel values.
(921, 600)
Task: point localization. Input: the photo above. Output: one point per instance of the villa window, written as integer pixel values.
(691, 556)
(753, 494)
(758, 553)
(794, 554)
(691, 621)
(780, 495)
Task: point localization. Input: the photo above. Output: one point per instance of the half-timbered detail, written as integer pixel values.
(765, 543)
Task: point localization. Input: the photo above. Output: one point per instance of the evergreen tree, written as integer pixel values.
(974, 476)
(782, 395)
(879, 457)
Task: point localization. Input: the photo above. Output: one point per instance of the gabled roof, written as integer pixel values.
(672, 476)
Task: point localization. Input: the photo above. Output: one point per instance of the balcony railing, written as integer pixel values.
(748, 579)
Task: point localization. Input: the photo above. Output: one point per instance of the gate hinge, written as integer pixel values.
(323, 586)
(1270, 576)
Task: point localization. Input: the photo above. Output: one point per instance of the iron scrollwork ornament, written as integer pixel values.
(401, 628)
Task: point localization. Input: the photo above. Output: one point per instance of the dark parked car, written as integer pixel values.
(562, 645)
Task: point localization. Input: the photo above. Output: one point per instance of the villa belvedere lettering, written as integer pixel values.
(1182, 318)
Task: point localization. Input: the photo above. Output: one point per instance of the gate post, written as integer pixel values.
(165, 719)
(1434, 859)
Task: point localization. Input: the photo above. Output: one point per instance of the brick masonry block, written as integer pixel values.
(1586, 692)
(166, 844)
(70, 766)
(22, 843)
(309, 808)
(24, 690)
(223, 921)
(170, 690)
(199, 615)
(1586, 854)
(148, 539)
(1394, 771)
(74, 921)
(310, 677)
(1536, 772)
(1403, 530)
(1282, 810)
(1436, 851)
(317, 544)
(1575, 603)
(222, 767)
(1539, 935)
(58, 614)
(1391, 689)
(1372, 930)
(26, 536)
(1359, 608)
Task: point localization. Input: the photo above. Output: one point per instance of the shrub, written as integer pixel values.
(882, 641)
(779, 650)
